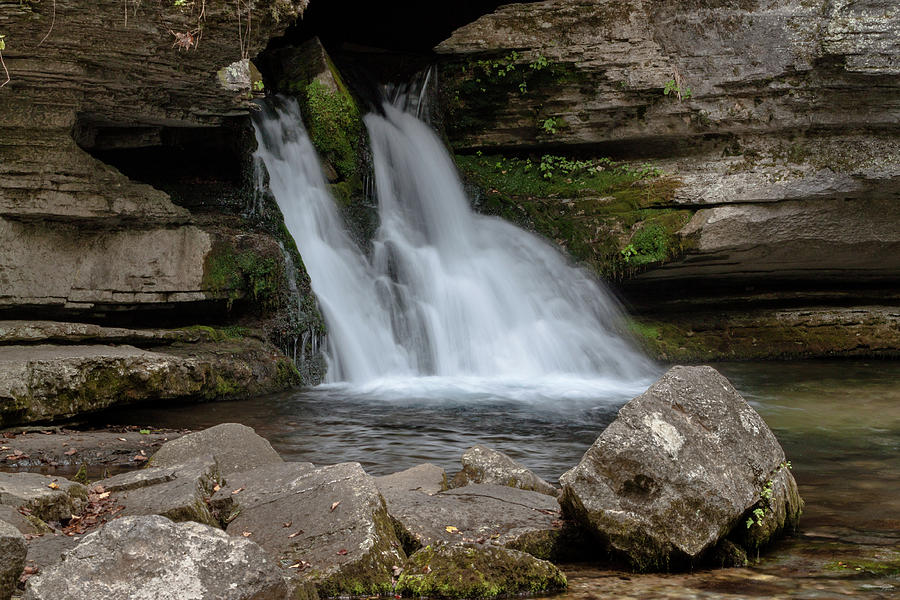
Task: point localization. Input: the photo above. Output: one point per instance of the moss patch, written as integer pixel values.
(334, 126)
(613, 217)
(239, 274)
(483, 571)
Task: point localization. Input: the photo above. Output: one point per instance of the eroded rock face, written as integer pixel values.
(477, 571)
(678, 470)
(166, 560)
(12, 558)
(47, 498)
(328, 525)
(486, 465)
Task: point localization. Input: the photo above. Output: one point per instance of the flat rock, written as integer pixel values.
(165, 560)
(510, 517)
(250, 488)
(235, 447)
(477, 571)
(25, 524)
(426, 478)
(47, 550)
(675, 472)
(329, 526)
(12, 558)
(180, 493)
(486, 465)
(34, 492)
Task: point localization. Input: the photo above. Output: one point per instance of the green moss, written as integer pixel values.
(286, 374)
(889, 566)
(244, 274)
(334, 126)
(615, 218)
(468, 571)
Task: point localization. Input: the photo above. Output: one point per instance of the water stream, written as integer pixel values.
(444, 301)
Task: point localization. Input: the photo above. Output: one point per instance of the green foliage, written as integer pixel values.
(549, 125)
(650, 244)
(2, 42)
(244, 273)
(259, 86)
(334, 126)
(179, 3)
(683, 93)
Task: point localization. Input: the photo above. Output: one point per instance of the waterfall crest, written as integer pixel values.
(444, 292)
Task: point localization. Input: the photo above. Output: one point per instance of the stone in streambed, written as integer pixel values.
(152, 557)
(426, 478)
(476, 571)
(249, 488)
(509, 517)
(677, 470)
(47, 498)
(12, 558)
(328, 526)
(486, 465)
(235, 447)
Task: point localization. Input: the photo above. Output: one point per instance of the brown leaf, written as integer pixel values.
(334, 505)
(70, 451)
(53, 485)
(139, 458)
(296, 533)
(237, 491)
(17, 456)
(246, 533)
(27, 573)
(217, 487)
(342, 551)
(122, 439)
(287, 523)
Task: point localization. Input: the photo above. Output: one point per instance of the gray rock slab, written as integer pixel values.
(25, 524)
(165, 561)
(35, 493)
(247, 489)
(12, 558)
(675, 472)
(331, 525)
(427, 478)
(520, 519)
(486, 465)
(47, 550)
(235, 447)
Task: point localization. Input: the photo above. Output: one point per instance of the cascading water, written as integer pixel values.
(447, 297)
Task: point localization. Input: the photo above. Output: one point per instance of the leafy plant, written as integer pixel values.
(259, 86)
(672, 87)
(2, 63)
(549, 125)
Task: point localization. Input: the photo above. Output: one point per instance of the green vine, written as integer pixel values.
(2, 62)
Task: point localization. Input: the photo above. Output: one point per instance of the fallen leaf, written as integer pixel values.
(451, 529)
(296, 533)
(17, 456)
(139, 458)
(237, 491)
(426, 569)
(4, 448)
(143, 453)
(53, 485)
(103, 496)
(287, 523)
(122, 439)
(217, 487)
(396, 570)
(246, 533)
(27, 573)
(342, 551)
(335, 505)
(300, 565)
(70, 452)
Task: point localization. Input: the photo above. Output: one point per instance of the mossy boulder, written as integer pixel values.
(47, 498)
(677, 471)
(477, 571)
(486, 465)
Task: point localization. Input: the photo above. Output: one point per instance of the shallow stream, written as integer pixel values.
(839, 423)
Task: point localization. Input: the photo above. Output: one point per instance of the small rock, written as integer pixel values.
(165, 560)
(12, 558)
(235, 447)
(675, 472)
(470, 571)
(427, 478)
(486, 465)
(349, 550)
(34, 493)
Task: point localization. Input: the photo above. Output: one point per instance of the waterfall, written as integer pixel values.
(443, 292)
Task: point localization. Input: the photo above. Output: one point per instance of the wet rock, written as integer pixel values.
(181, 493)
(426, 478)
(486, 465)
(675, 472)
(48, 498)
(476, 571)
(249, 488)
(510, 517)
(235, 448)
(12, 558)
(329, 527)
(778, 510)
(164, 560)
(24, 523)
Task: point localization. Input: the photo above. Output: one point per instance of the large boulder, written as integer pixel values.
(510, 517)
(683, 465)
(152, 557)
(476, 571)
(327, 525)
(235, 447)
(486, 465)
(12, 558)
(47, 498)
